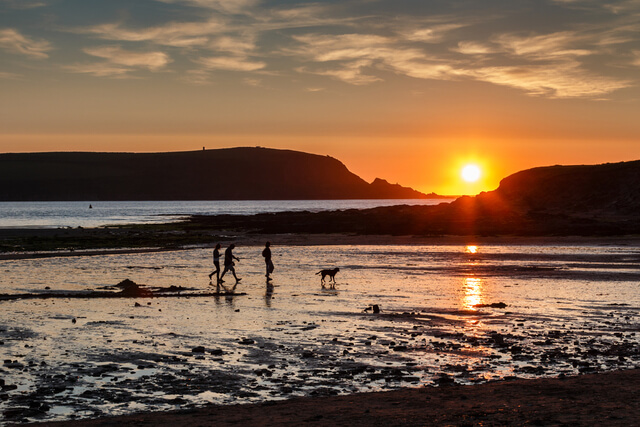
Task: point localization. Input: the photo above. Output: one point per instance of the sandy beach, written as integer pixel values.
(611, 399)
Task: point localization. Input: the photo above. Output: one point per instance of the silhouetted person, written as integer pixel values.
(216, 263)
(266, 253)
(228, 262)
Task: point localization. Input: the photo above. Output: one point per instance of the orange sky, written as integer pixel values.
(406, 92)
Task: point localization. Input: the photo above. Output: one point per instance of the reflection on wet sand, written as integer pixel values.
(472, 296)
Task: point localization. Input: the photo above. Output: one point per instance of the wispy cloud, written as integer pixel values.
(152, 61)
(361, 43)
(99, 69)
(120, 62)
(13, 41)
(231, 63)
(474, 48)
(566, 80)
(230, 6)
(9, 76)
(24, 4)
(431, 34)
(543, 46)
(175, 34)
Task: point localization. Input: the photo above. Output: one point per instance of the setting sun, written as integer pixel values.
(471, 173)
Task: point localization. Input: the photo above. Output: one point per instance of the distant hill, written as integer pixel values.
(224, 174)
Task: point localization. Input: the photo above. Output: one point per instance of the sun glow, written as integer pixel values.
(471, 173)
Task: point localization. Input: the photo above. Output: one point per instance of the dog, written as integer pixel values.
(331, 273)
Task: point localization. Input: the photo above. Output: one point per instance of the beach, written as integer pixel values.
(457, 314)
(611, 399)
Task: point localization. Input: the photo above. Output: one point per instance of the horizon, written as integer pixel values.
(411, 93)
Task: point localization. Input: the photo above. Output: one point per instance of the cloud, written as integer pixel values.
(174, 34)
(24, 4)
(433, 34)
(543, 46)
(352, 72)
(152, 61)
(99, 69)
(354, 53)
(229, 6)
(12, 41)
(473, 48)
(567, 80)
(238, 45)
(197, 77)
(8, 76)
(120, 62)
(231, 63)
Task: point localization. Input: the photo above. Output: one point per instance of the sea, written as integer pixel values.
(398, 315)
(96, 214)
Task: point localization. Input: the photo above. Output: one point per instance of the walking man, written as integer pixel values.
(266, 253)
(228, 263)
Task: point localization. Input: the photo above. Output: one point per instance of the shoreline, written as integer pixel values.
(610, 398)
(337, 239)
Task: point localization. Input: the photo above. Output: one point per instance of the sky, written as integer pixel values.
(408, 91)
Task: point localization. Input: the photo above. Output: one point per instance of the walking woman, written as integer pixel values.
(216, 263)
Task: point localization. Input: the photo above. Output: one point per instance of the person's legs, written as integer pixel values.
(217, 264)
(233, 271)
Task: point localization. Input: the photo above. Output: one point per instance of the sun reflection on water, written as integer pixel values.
(471, 249)
(473, 294)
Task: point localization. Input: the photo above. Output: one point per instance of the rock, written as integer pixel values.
(246, 341)
(199, 349)
(498, 339)
(493, 305)
(216, 352)
(307, 354)
(137, 305)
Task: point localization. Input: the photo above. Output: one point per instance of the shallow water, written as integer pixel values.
(569, 310)
(98, 214)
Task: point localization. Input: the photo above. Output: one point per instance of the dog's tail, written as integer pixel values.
(318, 272)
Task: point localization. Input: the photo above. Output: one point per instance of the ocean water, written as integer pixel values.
(79, 214)
(567, 310)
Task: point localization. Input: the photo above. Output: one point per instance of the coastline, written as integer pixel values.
(610, 398)
(306, 239)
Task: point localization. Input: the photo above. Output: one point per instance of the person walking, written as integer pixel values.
(229, 264)
(216, 263)
(266, 253)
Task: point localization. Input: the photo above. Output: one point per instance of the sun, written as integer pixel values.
(471, 173)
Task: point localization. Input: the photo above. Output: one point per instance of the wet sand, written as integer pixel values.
(301, 239)
(611, 399)
(592, 399)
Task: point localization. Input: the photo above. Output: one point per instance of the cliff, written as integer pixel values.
(225, 174)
